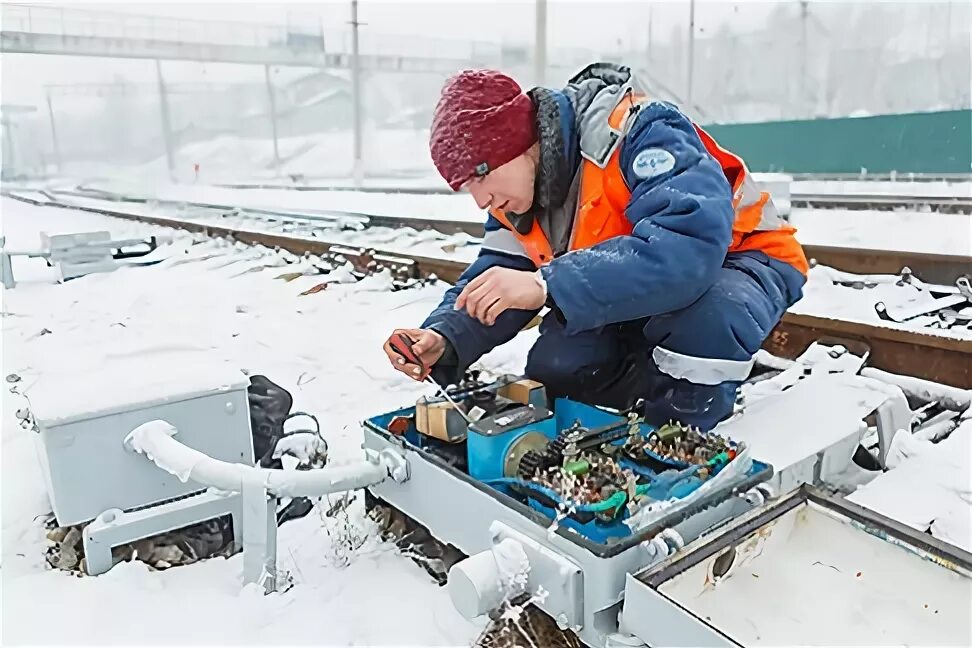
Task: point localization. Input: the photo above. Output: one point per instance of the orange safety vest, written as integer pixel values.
(604, 196)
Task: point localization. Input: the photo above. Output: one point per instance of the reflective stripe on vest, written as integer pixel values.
(533, 245)
(604, 196)
(505, 241)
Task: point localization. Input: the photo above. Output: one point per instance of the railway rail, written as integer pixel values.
(958, 204)
(883, 202)
(930, 357)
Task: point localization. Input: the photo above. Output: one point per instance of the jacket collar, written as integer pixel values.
(572, 123)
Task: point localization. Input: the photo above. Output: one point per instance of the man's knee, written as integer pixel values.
(559, 359)
(550, 367)
(730, 321)
(703, 352)
(590, 366)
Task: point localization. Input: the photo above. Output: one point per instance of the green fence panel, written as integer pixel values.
(932, 142)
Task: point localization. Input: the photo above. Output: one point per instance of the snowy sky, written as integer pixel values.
(594, 24)
(571, 23)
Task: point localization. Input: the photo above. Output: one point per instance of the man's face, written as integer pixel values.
(508, 188)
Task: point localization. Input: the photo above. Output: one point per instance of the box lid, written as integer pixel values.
(754, 580)
(129, 382)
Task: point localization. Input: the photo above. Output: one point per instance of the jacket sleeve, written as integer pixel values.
(468, 338)
(681, 213)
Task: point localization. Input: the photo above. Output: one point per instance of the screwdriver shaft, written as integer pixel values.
(449, 398)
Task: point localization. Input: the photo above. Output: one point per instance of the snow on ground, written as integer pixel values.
(885, 230)
(882, 230)
(924, 189)
(325, 348)
(216, 302)
(937, 474)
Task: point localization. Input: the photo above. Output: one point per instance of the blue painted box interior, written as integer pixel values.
(484, 458)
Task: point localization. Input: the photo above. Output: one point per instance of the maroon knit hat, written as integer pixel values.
(482, 121)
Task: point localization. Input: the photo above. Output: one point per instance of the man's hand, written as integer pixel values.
(427, 345)
(487, 296)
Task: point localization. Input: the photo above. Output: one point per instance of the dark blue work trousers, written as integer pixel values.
(617, 365)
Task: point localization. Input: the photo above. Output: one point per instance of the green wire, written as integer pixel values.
(615, 501)
(722, 457)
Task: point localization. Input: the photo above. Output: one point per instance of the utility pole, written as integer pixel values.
(357, 170)
(50, 114)
(948, 24)
(273, 118)
(166, 121)
(691, 53)
(650, 6)
(804, 59)
(540, 44)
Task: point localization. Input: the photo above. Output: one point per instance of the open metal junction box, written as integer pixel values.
(808, 569)
(791, 557)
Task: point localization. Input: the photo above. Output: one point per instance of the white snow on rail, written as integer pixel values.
(918, 189)
(431, 206)
(823, 298)
(907, 231)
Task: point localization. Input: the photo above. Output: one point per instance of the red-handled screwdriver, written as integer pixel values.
(402, 345)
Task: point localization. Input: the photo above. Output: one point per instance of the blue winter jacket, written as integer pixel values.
(682, 227)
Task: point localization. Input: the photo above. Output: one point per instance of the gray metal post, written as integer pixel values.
(273, 118)
(691, 54)
(540, 44)
(357, 169)
(57, 148)
(804, 60)
(259, 535)
(166, 122)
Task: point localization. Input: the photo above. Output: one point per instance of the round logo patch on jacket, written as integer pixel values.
(652, 162)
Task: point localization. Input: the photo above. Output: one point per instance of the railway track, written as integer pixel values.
(930, 357)
(935, 268)
(883, 202)
(905, 176)
(957, 204)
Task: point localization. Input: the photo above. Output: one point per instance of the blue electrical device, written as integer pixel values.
(494, 444)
